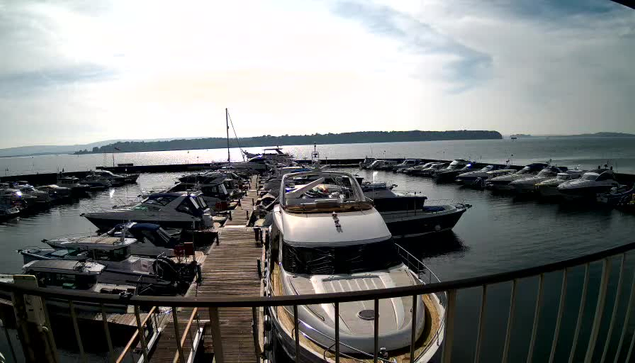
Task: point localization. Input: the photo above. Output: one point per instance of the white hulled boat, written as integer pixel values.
(327, 237)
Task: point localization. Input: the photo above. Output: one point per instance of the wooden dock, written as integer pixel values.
(229, 269)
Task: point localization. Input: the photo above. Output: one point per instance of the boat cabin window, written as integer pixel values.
(340, 260)
(604, 176)
(189, 206)
(202, 202)
(590, 176)
(214, 191)
(70, 281)
(563, 177)
(162, 200)
(118, 254)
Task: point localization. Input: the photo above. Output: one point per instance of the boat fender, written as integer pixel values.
(267, 323)
(266, 346)
(383, 353)
(199, 274)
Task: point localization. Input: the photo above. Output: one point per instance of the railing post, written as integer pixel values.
(142, 336)
(216, 336)
(449, 327)
(175, 320)
(599, 308)
(78, 336)
(615, 306)
(481, 326)
(556, 332)
(376, 331)
(337, 332)
(585, 286)
(104, 319)
(296, 328)
(413, 331)
(534, 330)
(629, 309)
(510, 321)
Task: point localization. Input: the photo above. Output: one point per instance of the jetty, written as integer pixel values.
(229, 269)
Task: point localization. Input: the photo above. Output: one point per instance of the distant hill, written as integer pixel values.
(604, 134)
(268, 140)
(49, 149)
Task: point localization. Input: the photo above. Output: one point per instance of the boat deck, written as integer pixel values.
(229, 269)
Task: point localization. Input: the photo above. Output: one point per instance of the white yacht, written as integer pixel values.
(96, 181)
(429, 170)
(8, 211)
(549, 187)
(73, 184)
(590, 184)
(169, 210)
(407, 163)
(479, 177)
(502, 182)
(327, 237)
(210, 184)
(528, 185)
(142, 239)
(273, 154)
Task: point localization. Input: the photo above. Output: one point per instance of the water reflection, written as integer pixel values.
(434, 245)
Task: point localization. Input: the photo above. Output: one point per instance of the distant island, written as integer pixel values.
(268, 140)
(603, 134)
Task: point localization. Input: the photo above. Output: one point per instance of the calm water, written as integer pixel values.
(586, 152)
(499, 233)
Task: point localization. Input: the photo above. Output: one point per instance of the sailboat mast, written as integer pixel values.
(227, 126)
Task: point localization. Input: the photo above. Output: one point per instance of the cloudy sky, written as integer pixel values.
(85, 71)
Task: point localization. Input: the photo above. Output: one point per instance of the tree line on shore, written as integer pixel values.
(269, 140)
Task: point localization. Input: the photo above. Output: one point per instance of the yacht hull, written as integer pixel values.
(405, 224)
(104, 224)
(590, 191)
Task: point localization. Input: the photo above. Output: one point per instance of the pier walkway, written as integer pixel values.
(229, 269)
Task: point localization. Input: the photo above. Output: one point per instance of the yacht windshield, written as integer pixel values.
(589, 176)
(161, 200)
(340, 260)
(563, 177)
(322, 192)
(524, 170)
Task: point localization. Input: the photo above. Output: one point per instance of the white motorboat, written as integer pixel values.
(96, 181)
(142, 239)
(528, 185)
(479, 177)
(56, 192)
(429, 170)
(408, 163)
(449, 173)
(549, 187)
(161, 274)
(169, 210)
(589, 184)
(364, 164)
(73, 184)
(416, 168)
(34, 195)
(211, 185)
(408, 216)
(273, 154)
(382, 165)
(8, 211)
(502, 182)
(327, 237)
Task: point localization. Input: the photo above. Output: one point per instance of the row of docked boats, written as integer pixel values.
(20, 197)
(324, 234)
(544, 179)
(140, 249)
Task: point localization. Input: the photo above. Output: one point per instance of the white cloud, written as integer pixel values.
(85, 71)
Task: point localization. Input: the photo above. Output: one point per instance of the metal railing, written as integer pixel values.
(449, 288)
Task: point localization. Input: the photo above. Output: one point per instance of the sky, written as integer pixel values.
(74, 72)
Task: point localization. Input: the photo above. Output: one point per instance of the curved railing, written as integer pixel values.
(448, 287)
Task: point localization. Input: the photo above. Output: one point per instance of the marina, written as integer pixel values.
(231, 269)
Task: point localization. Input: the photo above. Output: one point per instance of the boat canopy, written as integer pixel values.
(320, 191)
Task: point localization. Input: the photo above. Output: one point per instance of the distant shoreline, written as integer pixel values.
(268, 140)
